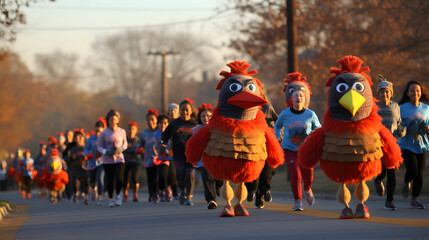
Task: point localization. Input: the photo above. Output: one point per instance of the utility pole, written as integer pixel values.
(164, 80)
(292, 34)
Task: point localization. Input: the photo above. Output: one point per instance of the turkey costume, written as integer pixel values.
(352, 143)
(237, 141)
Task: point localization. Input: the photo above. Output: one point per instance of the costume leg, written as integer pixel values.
(343, 196)
(227, 193)
(241, 194)
(361, 194)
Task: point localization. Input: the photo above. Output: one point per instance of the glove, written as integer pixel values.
(139, 150)
(118, 150)
(110, 152)
(89, 156)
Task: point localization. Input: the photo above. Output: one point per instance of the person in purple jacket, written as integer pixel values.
(111, 143)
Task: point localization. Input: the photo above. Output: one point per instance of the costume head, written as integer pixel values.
(240, 93)
(296, 82)
(350, 96)
(54, 165)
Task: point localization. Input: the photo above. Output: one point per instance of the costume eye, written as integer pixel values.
(358, 86)
(251, 87)
(302, 89)
(235, 87)
(342, 87)
(291, 90)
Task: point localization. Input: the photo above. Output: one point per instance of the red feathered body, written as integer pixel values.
(56, 181)
(234, 169)
(350, 172)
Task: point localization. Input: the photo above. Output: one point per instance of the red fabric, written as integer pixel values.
(297, 173)
(349, 64)
(40, 179)
(350, 172)
(296, 77)
(11, 172)
(235, 170)
(238, 68)
(56, 181)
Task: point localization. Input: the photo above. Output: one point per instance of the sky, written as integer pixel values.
(70, 26)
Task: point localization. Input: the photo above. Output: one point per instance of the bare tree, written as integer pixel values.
(58, 67)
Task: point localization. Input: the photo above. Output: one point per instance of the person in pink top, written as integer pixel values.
(111, 143)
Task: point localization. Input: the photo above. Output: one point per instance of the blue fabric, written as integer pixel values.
(296, 127)
(27, 172)
(91, 147)
(415, 118)
(147, 140)
(158, 135)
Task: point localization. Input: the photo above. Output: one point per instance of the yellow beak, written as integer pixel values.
(54, 165)
(352, 101)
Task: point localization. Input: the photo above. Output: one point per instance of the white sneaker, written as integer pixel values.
(118, 201)
(309, 197)
(298, 205)
(111, 204)
(99, 202)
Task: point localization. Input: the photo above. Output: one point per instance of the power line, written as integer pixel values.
(75, 8)
(216, 16)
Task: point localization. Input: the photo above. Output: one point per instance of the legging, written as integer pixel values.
(211, 185)
(162, 171)
(172, 179)
(96, 176)
(80, 183)
(152, 181)
(391, 182)
(26, 186)
(415, 166)
(186, 177)
(114, 177)
(131, 173)
(296, 172)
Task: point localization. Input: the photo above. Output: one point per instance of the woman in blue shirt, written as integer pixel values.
(415, 144)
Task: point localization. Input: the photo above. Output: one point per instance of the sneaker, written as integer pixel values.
(93, 195)
(162, 195)
(228, 211)
(347, 213)
(155, 198)
(240, 210)
(250, 196)
(379, 187)
(29, 196)
(212, 205)
(135, 198)
(405, 189)
(182, 198)
(298, 205)
(389, 206)
(86, 202)
(188, 201)
(111, 204)
(259, 200)
(309, 197)
(75, 199)
(169, 195)
(24, 195)
(99, 203)
(415, 204)
(268, 197)
(361, 211)
(125, 198)
(118, 201)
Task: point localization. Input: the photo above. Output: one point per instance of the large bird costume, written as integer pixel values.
(352, 144)
(237, 141)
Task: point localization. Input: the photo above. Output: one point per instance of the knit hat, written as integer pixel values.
(173, 105)
(384, 84)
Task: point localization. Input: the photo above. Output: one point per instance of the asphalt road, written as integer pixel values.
(39, 219)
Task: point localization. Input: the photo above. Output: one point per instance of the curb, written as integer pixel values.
(4, 210)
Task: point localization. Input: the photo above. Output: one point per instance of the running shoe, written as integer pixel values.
(361, 211)
(188, 202)
(389, 206)
(309, 197)
(29, 196)
(240, 210)
(182, 198)
(268, 197)
(111, 204)
(379, 187)
(162, 195)
(125, 198)
(86, 202)
(415, 204)
(212, 205)
(118, 201)
(347, 213)
(228, 211)
(155, 198)
(169, 195)
(99, 203)
(298, 205)
(135, 198)
(405, 189)
(259, 200)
